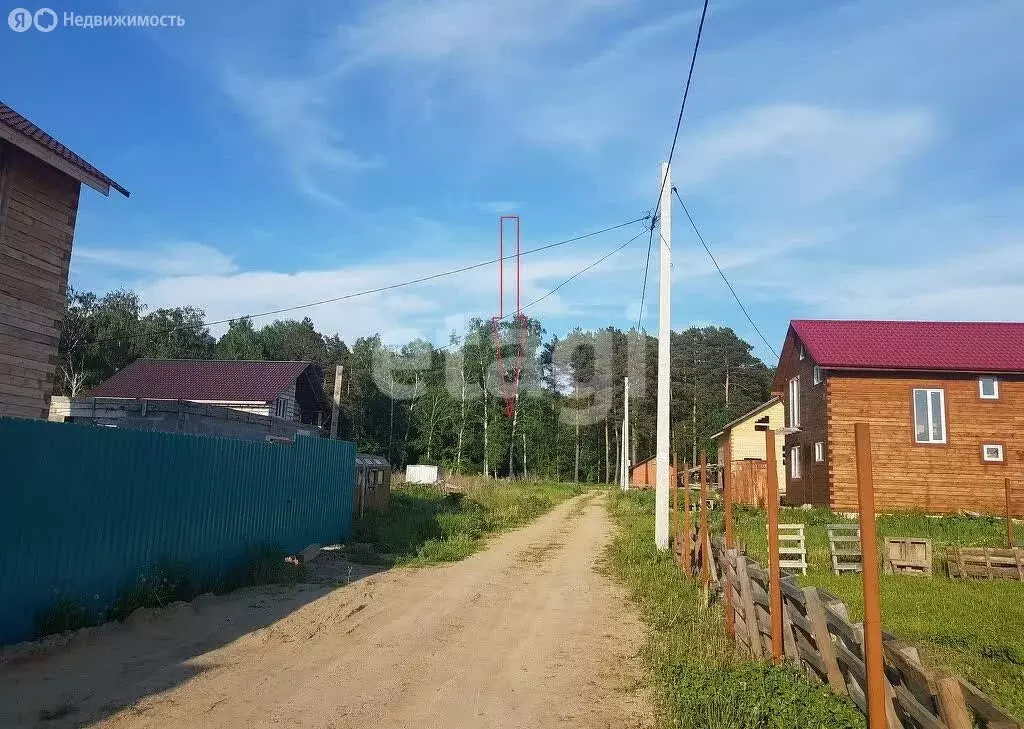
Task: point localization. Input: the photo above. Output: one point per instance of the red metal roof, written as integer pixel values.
(190, 379)
(15, 121)
(914, 345)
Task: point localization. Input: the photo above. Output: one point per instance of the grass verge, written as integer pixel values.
(975, 627)
(425, 526)
(699, 681)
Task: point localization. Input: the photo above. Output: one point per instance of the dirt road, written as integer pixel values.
(527, 633)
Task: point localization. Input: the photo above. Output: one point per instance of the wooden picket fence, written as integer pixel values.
(819, 637)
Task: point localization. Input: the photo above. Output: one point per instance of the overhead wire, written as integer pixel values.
(672, 151)
(576, 275)
(376, 290)
(722, 274)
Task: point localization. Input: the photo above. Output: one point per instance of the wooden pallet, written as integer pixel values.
(908, 556)
(792, 548)
(844, 546)
(985, 562)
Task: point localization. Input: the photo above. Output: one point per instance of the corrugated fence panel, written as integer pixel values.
(87, 510)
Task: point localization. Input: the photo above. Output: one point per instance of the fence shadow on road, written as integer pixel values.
(90, 675)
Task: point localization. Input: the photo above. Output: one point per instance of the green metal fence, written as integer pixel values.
(86, 510)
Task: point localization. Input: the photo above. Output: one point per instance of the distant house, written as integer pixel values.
(944, 401)
(40, 180)
(742, 443)
(290, 390)
(644, 474)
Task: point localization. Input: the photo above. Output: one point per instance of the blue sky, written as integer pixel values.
(844, 159)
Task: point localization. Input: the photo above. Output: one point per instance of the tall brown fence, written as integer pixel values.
(749, 482)
(819, 637)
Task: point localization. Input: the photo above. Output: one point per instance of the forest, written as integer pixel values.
(456, 405)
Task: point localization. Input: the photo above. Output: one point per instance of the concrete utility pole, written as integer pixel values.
(336, 410)
(664, 355)
(625, 435)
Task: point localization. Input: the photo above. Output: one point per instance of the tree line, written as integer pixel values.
(462, 406)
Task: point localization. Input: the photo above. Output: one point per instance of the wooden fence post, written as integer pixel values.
(1009, 513)
(952, 707)
(873, 660)
(705, 567)
(686, 519)
(749, 609)
(823, 640)
(774, 578)
(675, 504)
(724, 464)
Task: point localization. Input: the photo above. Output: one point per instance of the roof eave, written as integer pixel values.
(41, 152)
(849, 368)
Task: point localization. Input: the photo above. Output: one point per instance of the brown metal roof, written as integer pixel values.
(22, 127)
(191, 379)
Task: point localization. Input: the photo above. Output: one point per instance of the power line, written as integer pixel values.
(671, 152)
(682, 106)
(722, 274)
(647, 266)
(576, 275)
(379, 289)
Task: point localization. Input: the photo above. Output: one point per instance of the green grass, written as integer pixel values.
(699, 681)
(424, 526)
(975, 627)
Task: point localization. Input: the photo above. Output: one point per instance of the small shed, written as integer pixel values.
(644, 474)
(373, 484)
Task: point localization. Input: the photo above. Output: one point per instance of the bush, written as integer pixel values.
(65, 615)
(158, 588)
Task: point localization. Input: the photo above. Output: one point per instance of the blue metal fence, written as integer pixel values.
(86, 510)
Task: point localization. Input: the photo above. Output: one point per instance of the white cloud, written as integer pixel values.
(210, 281)
(293, 115)
(168, 259)
(804, 151)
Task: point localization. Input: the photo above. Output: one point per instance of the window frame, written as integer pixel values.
(818, 375)
(929, 391)
(793, 415)
(995, 387)
(802, 352)
(1002, 453)
(819, 446)
(795, 471)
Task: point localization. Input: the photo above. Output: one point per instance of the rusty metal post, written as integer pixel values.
(873, 660)
(1009, 513)
(724, 466)
(774, 577)
(705, 567)
(686, 517)
(675, 504)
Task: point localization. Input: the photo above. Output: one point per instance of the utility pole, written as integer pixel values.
(336, 410)
(625, 436)
(664, 354)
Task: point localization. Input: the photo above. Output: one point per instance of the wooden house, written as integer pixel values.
(742, 444)
(40, 180)
(944, 401)
(290, 390)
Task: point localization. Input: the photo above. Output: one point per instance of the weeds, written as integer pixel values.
(424, 526)
(65, 615)
(168, 583)
(699, 681)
